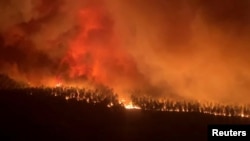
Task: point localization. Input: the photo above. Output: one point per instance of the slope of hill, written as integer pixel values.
(49, 117)
(6, 82)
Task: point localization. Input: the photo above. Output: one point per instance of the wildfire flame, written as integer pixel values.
(131, 106)
(170, 49)
(59, 85)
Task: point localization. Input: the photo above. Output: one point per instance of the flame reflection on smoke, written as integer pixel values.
(191, 49)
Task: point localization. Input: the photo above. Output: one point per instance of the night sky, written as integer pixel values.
(197, 49)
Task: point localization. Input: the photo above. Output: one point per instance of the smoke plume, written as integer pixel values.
(166, 48)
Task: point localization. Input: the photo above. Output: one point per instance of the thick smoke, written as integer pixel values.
(188, 49)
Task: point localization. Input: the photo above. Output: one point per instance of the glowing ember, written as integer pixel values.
(59, 85)
(110, 105)
(131, 106)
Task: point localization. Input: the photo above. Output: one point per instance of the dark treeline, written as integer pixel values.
(106, 98)
(103, 97)
(148, 103)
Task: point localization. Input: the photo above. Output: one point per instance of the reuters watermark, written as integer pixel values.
(234, 132)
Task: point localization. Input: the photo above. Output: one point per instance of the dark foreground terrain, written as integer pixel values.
(44, 117)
